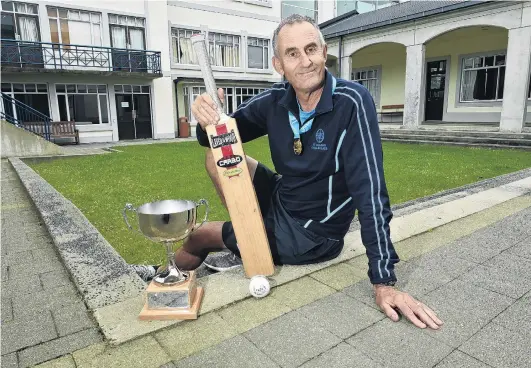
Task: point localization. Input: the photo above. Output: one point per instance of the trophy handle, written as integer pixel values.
(129, 207)
(207, 208)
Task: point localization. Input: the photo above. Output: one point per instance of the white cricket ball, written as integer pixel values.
(259, 286)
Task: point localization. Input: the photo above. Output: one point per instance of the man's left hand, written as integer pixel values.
(390, 300)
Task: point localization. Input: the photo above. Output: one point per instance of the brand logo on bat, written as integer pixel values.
(230, 161)
(223, 139)
(232, 172)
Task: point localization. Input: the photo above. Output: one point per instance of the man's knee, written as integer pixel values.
(207, 238)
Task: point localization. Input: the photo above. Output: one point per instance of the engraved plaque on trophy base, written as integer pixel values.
(167, 302)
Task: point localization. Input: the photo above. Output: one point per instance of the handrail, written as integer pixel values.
(22, 113)
(51, 55)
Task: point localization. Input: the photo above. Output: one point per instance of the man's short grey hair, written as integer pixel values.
(292, 19)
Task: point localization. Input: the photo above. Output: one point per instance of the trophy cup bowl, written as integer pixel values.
(172, 294)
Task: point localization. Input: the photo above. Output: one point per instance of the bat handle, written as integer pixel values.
(200, 47)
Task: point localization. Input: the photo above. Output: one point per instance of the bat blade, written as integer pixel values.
(235, 180)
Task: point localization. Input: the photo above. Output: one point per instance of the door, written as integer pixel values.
(134, 116)
(435, 83)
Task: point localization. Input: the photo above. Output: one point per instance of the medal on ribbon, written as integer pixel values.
(297, 146)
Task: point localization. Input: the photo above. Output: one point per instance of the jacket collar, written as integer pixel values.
(325, 104)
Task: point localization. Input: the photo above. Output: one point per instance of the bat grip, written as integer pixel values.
(200, 47)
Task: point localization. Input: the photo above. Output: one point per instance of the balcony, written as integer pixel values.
(22, 56)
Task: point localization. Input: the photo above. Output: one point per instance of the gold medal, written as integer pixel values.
(297, 146)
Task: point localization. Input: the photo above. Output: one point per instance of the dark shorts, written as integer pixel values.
(290, 242)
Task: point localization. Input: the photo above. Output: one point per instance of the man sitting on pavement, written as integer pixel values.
(325, 144)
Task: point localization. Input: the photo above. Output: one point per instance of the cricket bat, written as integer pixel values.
(235, 180)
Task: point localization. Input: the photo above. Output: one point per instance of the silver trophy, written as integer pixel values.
(172, 293)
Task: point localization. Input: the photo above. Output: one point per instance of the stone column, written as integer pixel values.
(516, 80)
(162, 88)
(414, 85)
(346, 68)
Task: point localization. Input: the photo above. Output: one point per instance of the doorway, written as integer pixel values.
(435, 87)
(133, 111)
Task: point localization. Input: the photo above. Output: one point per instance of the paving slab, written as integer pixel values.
(342, 356)
(24, 305)
(425, 273)
(21, 285)
(517, 317)
(499, 347)
(458, 359)
(144, 352)
(399, 344)
(465, 309)
(50, 280)
(7, 310)
(341, 315)
(236, 352)
(300, 292)
(55, 348)
(250, 313)
(26, 332)
(522, 249)
(506, 274)
(292, 339)
(63, 362)
(340, 276)
(9, 361)
(71, 319)
(192, 336)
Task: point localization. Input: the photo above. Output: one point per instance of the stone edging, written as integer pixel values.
(99, 272)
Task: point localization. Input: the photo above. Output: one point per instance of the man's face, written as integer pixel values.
(302, 57)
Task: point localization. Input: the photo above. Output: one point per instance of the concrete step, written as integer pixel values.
(455, 143)
(463, 139)
(457, 133)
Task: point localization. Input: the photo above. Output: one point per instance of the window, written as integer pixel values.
(224, 49)
(258, 53)
(31, 94)
(482, 78)
(83, 103)
(234, 96)
(183, 51)
(302, 7)
(344, 6)
(369, 79)
(75, 27)
(20, 21)
(127, 32)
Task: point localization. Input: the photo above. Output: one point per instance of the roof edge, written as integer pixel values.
(410, 17)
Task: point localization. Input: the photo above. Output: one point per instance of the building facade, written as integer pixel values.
(439, 62)
(127, 70)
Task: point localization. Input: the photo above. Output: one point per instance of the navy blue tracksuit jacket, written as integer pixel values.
(340, 170)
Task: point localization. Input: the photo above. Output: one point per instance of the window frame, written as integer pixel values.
(265, 3)
(315, 9)
(269, 54)
(97, 93)
(461, 58)
(378, 69)
(58, 17)
(242, 54)
(16, 14)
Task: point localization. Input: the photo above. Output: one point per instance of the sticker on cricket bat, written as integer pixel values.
(229, 160)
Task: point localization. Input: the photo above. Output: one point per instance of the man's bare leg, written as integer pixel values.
(208, 238)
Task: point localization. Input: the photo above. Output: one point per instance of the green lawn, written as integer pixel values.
(101, 185)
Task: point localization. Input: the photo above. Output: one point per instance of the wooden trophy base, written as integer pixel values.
(172, 302)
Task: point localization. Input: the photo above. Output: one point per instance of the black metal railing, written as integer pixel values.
(48, 55)
(23, 116)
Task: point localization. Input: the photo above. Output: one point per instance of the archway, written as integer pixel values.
(465, 75)
(381, 68)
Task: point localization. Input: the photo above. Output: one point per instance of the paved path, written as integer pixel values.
(480, 286)
(43, 316)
